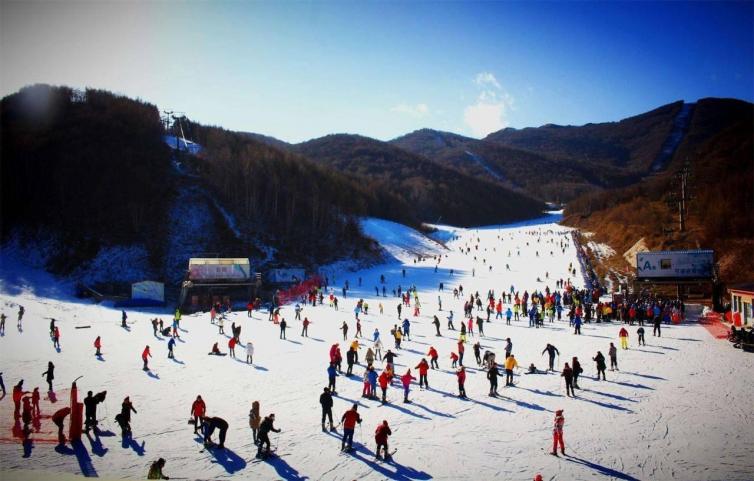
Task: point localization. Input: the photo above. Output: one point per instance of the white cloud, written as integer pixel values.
(418, 110)
(492, 104)
(484, 79)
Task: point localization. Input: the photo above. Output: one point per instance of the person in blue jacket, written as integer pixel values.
(331, 374)
(406, 329)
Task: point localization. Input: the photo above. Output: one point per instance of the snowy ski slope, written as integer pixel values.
(678, 409)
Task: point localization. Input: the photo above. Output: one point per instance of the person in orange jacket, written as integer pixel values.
(423, 368)
(145, 355)
(406, 381)
(433, 356)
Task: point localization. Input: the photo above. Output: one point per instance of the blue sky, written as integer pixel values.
(298, 70)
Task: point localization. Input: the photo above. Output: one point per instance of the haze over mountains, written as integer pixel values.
(87, 171)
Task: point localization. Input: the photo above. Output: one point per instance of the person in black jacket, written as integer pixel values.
(90, 404)
(264, 434)
(50, 373)
(551, 351)
(577, 370)
(568, 376)
(325, 399)
(350, 359)
(209, 424)
(492, 375)
(124, 418)
(601, 366)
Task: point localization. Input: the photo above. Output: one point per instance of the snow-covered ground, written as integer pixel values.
(680, 408)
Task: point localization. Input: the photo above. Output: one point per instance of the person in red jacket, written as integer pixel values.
(406, 380)
(232, 346)
(380, 437)
(433, 356)
(423, 368)
(349, 420)
(18, 394)
(58, 418)
(461, 348)
(461, 374)
(98, 346)
(198, 410)
(557, 433)
(623, 335)
(144, 356)
(384, 380)
(453, 359)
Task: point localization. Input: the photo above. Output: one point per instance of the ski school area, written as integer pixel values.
(676, 407)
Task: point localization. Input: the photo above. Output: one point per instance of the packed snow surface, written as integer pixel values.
(679, 408)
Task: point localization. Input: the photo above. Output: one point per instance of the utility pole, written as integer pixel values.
(681, 198)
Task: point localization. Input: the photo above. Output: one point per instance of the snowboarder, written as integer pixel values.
(155, 470)
(567, 374)
(600, 360)
(198, 411)
(380, 438)
(98, 346)
(349, 420)
(209, 424)
(145, 355)
(325, 400)
(50, 375)
(551, 351)
(557, 433)
(254, 421)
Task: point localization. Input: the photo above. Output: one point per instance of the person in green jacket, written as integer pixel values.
(155, 470)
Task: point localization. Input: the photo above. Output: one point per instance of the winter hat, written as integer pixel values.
(538, 477)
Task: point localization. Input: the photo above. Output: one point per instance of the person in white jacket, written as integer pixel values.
(249, 353)
(378, 348)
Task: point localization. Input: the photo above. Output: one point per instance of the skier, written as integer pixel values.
(510, 364)
(98, 346)
(209, 424)
(600, 360)
(450, 322)
(492, 375)
(371, 376)
(263, 437)
(344, 328)
(557, 433)
(378, 349)
(508, 315)
(453, 359)
(461, 375)
(145, 355)
(298, 312)
(477, 353)
(198, 411)
(350, 359)
(325, 400)
(254, 420)
(423, 368)
(640, 335)
(221, 325)
(613, 353)
(508, 347)
(56, 338)
(124, 418)
(384, 380)
(381, 438)
(406, 381)
(551, 351)
(155, 470)
(50, 375)
(577, 325)
(407, 329)
(305, 329)
(433, 356)
(249, 353)
(349, 420)
(283, 325)
(232, 347)
(567, 374)
(461, 349)
(331, 374)
(577, 370)
(623, 335)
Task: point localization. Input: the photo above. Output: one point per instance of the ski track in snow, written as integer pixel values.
(677, 410)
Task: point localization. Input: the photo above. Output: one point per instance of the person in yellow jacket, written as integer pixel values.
(510, 365)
